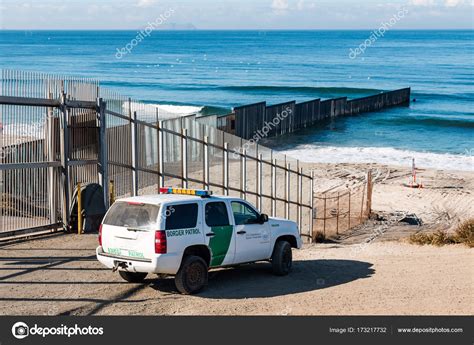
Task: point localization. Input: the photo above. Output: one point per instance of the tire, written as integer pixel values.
(282, 258)
(192, 275)
(133, 277)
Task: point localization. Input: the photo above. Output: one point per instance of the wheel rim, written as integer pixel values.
(287, 259)
(195, 275)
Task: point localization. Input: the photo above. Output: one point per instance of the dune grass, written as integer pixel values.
(464, 234)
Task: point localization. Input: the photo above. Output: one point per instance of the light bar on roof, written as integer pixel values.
(185, 191)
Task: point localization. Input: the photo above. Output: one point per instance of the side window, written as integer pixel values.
(181, 216)
(244, 214)
(216, 214)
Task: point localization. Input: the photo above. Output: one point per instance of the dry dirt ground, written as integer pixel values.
(59, 275)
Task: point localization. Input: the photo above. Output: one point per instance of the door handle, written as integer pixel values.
(210, 234)
(241, 232)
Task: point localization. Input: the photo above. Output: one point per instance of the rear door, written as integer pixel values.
(219, 232)
(129, 229)
(252, 238)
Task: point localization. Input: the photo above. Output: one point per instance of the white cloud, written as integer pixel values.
(280, 5)
(453, 3)
(422, 2)
(146, 3)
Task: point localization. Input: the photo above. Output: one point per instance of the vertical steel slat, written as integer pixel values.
(184, 157)
(206, 162)
(134, 151)
(259, 182)
(287, 191)
(274, 179)
(160, 154)
(226, 169)
(243, 180)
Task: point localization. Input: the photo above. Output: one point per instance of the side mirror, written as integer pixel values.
(263, 218)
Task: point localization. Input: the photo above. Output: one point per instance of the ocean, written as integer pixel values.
(212, 71)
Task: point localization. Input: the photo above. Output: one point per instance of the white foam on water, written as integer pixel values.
(382, 155)
(165, 111)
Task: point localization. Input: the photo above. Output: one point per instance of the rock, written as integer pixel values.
(411, 219)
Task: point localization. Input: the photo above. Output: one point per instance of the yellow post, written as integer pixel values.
(79, 209)
(112, 192)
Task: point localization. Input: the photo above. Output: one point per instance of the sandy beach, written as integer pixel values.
(445, 200)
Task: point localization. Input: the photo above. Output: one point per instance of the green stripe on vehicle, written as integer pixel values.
(219, 243)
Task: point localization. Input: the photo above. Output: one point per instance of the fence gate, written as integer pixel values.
(49, 141)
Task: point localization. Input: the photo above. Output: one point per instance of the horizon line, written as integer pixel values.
(254, 29)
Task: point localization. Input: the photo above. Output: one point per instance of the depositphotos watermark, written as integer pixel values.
(21, 330)
(262, 132)
(142, 34)
(376, 34)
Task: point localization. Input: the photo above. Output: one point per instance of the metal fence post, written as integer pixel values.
(184, 157)
(243, 177)
(161, 153)
(337, 215)
(134, 154)
(349, 222)
(206, 162)
(274, 187)
(300, 198)
(259, 182)
(369, 193)
(103, 159)
(226, 169)
(50, 138)
(324, 217)
(362, 205)
(64, 141)
(311, 203)
(287, 191)
(79, 208)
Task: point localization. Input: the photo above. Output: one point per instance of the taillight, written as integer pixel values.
(160, 242)
(100, 235)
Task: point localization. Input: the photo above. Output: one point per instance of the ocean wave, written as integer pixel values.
(301, 89)
(382, 155)
(432, 121)
(147, 111)
(466, 96)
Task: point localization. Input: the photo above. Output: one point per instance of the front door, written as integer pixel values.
(252, 237)
(219, 233)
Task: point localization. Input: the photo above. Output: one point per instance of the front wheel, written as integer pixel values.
(282, 258)
(133, 277)
(192, 276)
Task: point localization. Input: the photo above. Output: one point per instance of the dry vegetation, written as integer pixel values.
(463, 234)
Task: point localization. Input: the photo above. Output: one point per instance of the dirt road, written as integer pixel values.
(60, 276)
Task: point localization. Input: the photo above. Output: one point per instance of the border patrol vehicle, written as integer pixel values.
(186, 232)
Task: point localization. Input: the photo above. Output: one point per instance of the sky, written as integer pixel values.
(235, 14)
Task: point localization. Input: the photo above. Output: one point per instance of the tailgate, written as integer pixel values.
(129, 229)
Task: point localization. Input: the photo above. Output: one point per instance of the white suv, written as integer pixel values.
(184, 232)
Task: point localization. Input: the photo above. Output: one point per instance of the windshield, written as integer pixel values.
(133, 215)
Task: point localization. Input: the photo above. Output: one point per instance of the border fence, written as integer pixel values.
(246, 121)
(341, 210)
(60, 131)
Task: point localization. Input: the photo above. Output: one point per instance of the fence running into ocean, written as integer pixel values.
(261, 120)
(58, 131)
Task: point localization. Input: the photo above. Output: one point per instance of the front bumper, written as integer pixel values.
(159, 264)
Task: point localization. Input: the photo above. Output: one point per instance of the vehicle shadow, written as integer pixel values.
(257, 281)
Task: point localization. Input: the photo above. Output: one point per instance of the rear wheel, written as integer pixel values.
(282, 258)
(133, 277)
(192, 276)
